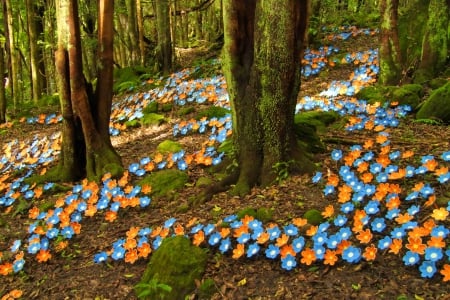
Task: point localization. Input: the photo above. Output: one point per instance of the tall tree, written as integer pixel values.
(13, 72)
(390, 55)
(2, 83)
(263, 46)
(164, 47)
(36, 78)
(86, 146)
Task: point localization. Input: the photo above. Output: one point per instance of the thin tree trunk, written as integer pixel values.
(13, 57)
(140, 27)
(36, 82)
(164, 48)
(2, 85)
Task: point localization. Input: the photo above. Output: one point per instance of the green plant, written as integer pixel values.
(153, 287)
(282, 170)
(428, 121)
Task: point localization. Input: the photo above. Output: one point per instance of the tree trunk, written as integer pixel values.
(390, 55)
(435, 41)
(2, 85)
(86, 147)
(140, 28)
(164, 48)
(132, 31)
(36, 82)
(13, 73)
(263, 42)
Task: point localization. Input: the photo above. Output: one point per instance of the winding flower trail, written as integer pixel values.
(375, 211)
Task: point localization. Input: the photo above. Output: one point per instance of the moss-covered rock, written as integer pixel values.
(168, 146)
(203, 182)
(376, 93)
(408, 94)
(437, 106)
(165, 181)
(320, 119)
(308, 138)
(262, 213)
(313, 216)
(152, 107)
(176, 264)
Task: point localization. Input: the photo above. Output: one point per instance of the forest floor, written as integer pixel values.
(72, 273)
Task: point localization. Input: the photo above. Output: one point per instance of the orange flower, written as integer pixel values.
(381, 138)
(430, 201)
(199, 237)
(446, 272)
(6, 269)
(441, 171)
(383, 159)
(330, 257)
(429, 225)
(239, 251)
(164, 232)
(403, 218)
(76, 227)
(368, 144)
(312, 230)
(43, 255)
(282, 240)
(431, 165)
(395, 246)
(179, 229)
(14, 294)
(110, 216)
(365, 236)
(367, 177)
(308, 256)
(408, 154)
(224, 232)
(192, 222)
(328, 211)
(287, 249)
(146, 189)
(418, 186)
(247, 219)
(333, 180)
(385, 150)
(33, 212)
(370, 253)
(144, 250)
(90, 210)
(416, 245)
(401, 173)
(342, 246)
(263, 237)
(363, 167)
(130, 243)
(440, 214)
(240, 230)
(436, 241)
(38, 192)
(131, 256)
(418, 232)
(132, 232)
(299, 222)
(394, 202)
(61, 246)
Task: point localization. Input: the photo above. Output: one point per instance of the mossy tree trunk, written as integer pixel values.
(390, 55)
(435, 41)
(2, 85)
(164, 47)
(86, 146)
(263, 43)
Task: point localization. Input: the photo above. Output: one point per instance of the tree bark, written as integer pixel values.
(2, 85)
(263, 45)
(164, 48)
(13, 73)
(390, 54)
(36, 82)
(86, 147)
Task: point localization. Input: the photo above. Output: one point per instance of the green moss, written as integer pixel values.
(166, 107)
(133, 123)
(185, 110)
(203, 182)
(152, 107)
(165, 181)
(319, 119)
(153, 119)
(437, 106)
(207, 289)
(263, 214)
(313, 216)
(168, 146)
(212, 112)
(176, 264)
(308, 137)
(436, 83)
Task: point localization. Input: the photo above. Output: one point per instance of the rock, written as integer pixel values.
(437, 106)
(172, 271)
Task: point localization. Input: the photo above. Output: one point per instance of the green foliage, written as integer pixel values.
(172, 270)
(153, 119)
(206, 68)
(185, 110)
(152, 107)
(437, 106)
(152, 287)
(129, 78)
(212, 112)
(262, 213)
(165, 181)
(207, 289)
(282, 170)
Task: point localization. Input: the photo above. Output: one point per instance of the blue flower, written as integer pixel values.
(411, 258)
(274, 233)
(412, 196)
(394, 155)
(182, 165)
(209, 228)
(298, 244)
(288, 262)
(398, 233)
(440, 231)
(255, 225)
(169, 223)
(133, 168)
(347, 207)
(317, 177)
(319, 251)
(375, 168)
(157, 242)
(446, 156)
(340, 220)
(368, 156)
(427, 269)
(67, 232)
(426, 158)
(290, 230)
(196, 228)
(52, 233)
(252, 249)
(144, 201)
(15, 246)
(243, 238)
(433, 253)
(225, 245)
(118, 253)
(384, 243)
(393, 213)
(230, 218)
(320, 238)
(323, 227)
(333, 241)
(427, 191)
(336, 154)
(421, 170)
(372, 207)
(369, 189)
(351, 254)
(34, 248)
(329, 189)
(18, 265)
(414, 209)
(378, 225)
(444, 178)
(410, 171)
(344, 233)
(214, 239)
(100, 257)
(382, 177)
(272, 251)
